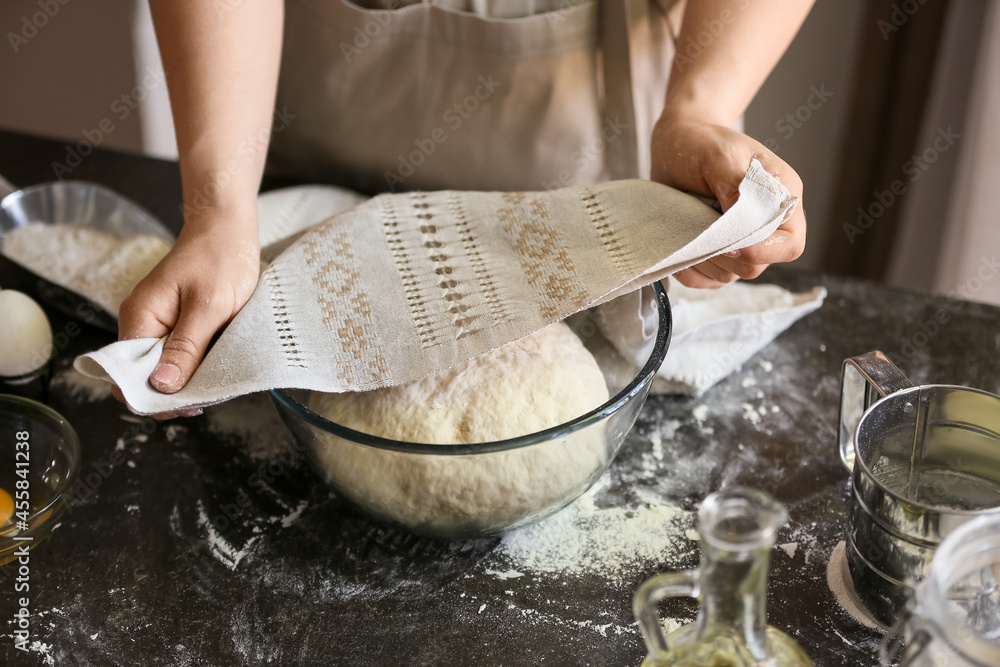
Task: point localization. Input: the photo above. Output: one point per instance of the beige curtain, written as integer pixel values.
(950, 236)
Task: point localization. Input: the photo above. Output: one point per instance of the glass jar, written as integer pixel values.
(952, 618)
(737, 528)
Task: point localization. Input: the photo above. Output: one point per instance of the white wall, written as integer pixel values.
(158, 137)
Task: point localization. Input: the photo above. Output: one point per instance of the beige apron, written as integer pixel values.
(469, 94)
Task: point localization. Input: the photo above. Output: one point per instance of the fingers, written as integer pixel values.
(787, 242)
(184, 347)
(137, 320)
(693, 277)
(163, 416)
(724, 171)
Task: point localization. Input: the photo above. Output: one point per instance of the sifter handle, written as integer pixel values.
(865, 380)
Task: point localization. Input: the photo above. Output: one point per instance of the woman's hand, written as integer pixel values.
(192, 293)
(222, 72)
(711, 160)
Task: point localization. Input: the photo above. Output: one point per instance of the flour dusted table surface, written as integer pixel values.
(207, 547)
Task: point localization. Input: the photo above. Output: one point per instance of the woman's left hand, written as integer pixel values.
(711, 160)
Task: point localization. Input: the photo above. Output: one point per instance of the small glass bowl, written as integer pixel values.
(53, 463)
(476, 490)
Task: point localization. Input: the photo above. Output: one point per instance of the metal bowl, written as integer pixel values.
(80, 204)
(475, 490)
(48, 466)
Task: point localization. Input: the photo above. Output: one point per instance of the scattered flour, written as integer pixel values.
(789, 548)
(603, 629)
(254, 422)
(535, 616)
(509, 574)
(748, 382)
(671, 624)
(44, 650)
(700, 413)
(610, 542)
(291, 518)
(173, 431)
(226, 553)
(767, 366)
(657, 442)
(750, 414)
(481, 608)
(80, 387)
(90, 262)
(668, 428)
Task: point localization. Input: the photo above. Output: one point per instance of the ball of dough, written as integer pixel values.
(532, 384)
(25, 335)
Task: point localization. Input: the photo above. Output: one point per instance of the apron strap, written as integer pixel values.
(621, 154)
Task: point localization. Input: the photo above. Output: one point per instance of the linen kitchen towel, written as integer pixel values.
(404, 285)
(714, 331)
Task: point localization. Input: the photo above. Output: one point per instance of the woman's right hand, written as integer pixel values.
(190, 295)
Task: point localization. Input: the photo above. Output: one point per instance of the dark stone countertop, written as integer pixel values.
(181, 556)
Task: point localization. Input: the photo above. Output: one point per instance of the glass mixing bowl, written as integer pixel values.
(475, 490)
(50, 463)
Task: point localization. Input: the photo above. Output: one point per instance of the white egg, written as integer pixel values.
(25, 334)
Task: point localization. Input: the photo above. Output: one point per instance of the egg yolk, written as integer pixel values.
(6, 507)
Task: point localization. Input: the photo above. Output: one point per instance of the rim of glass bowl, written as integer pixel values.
(613, 404)
(147, 222)
(70, 438)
